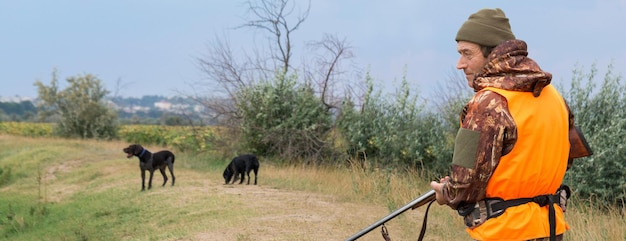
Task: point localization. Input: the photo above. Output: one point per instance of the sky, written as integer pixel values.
(151, 47)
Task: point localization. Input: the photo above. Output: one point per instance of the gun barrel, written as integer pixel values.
(421, 200)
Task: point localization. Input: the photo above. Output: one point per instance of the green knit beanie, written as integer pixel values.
(487, 27)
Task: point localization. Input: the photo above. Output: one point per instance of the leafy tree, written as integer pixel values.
(79, 109)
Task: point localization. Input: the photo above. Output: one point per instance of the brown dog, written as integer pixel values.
(151, 161)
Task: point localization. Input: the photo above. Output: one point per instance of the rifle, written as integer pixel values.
(427, 197)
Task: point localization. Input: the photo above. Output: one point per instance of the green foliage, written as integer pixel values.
(5, 175)
(182, 138)
(601, 114)
(26, 129)
(283, 118)
(80, 108)
(196, 139)
(173, 120)
(144, 134)
(398, 133)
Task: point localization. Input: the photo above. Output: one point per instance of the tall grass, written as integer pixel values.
(61, 189)
(592, 220)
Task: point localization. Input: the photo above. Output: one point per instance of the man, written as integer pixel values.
(512, 148)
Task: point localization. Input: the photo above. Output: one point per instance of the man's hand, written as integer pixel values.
(438, 187)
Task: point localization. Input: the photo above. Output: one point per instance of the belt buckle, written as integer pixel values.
(480, 213)
(472, 219)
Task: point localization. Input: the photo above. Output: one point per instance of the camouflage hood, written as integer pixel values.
(509, 68)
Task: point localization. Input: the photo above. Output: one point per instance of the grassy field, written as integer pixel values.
(56, 189)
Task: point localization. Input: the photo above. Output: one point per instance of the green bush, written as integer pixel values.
(398, 133)
(280, 117)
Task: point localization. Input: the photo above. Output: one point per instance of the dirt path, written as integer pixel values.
(296, 215)
(288, 215)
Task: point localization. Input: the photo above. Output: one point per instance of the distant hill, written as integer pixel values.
(154, 102)
(17, 109)
(150, 109)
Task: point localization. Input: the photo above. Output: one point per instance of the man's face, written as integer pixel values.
(471, 60)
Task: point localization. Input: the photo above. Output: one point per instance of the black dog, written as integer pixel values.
(151, 161)
(241, 165)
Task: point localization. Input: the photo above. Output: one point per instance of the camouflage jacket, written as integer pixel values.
(508, 68)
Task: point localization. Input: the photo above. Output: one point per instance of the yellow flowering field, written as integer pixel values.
(184, 138)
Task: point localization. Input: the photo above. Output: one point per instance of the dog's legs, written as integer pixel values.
(248, 173)
(150, 181)
(243, 177)
(143, 180)
(255, 174)
(162, 170)
(238, 176)
(235, 176)
(170, 166)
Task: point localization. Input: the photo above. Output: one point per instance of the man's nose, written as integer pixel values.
(461, 64)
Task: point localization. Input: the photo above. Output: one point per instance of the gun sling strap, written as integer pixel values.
(422, 231)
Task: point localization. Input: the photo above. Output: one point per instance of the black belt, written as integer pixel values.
(478, 213)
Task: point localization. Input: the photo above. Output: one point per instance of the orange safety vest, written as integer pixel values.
(534, 167)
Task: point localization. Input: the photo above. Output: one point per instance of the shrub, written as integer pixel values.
(398, 133)
(280, 117)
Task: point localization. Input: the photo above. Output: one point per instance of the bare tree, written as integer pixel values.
(272, 16)
(221, 67)
(328, 72)
(278, 20)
